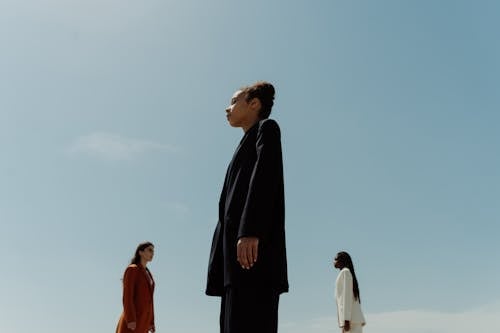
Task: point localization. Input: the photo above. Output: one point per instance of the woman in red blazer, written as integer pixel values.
(138, 288)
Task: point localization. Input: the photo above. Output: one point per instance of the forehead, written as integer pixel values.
(237, 94)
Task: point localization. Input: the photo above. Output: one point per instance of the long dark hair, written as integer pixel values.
(141, 247)
(345, 259)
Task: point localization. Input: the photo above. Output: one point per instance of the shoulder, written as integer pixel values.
(345, 272)
(269, 126)
(130, 273)
(132, 268)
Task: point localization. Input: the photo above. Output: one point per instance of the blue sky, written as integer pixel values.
(112, 131)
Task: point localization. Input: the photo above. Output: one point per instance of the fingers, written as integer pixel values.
(255, 250)
(242, 253)
(247, 251)
(249, 255)
(239, 249)
(245, 263)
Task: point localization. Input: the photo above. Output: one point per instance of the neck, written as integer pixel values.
(249, 125)
(144, 263)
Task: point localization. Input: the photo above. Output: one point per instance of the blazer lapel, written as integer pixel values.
(149, 278)
(243, 143)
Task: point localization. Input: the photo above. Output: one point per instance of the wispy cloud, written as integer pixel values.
(112, 146)
(178, 208)
(484, 319)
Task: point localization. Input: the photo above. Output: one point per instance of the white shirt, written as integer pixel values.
(348, 308)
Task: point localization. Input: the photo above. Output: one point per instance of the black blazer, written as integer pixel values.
(252, 203)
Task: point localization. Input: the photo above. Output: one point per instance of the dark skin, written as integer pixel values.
(340, 265)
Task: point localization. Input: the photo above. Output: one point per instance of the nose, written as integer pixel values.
(228, 109)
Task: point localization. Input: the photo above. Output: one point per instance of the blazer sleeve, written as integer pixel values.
(267, 175)
(129, 293)
(345, 296)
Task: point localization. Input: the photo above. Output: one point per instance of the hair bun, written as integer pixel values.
(264, 91)
(269, 88)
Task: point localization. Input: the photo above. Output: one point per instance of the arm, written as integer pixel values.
(345, 298)
(267, 175)
(264, 184)
(128, 294)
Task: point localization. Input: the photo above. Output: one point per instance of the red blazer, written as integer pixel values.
(138, 289)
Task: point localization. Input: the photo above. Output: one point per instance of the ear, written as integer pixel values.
(255, 104)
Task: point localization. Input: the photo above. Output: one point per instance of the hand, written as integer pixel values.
(347, 326)
(132, 325)
(246, 251)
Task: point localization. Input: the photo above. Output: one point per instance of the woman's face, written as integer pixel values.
(337, 263)
(242, 113)
(147, 253)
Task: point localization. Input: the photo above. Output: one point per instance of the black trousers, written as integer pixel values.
(249, 310)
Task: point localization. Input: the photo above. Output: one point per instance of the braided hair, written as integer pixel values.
(345, 259)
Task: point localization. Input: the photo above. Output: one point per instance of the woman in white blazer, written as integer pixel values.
(349, 312)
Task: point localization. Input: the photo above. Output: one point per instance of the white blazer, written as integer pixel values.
(347, 307)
